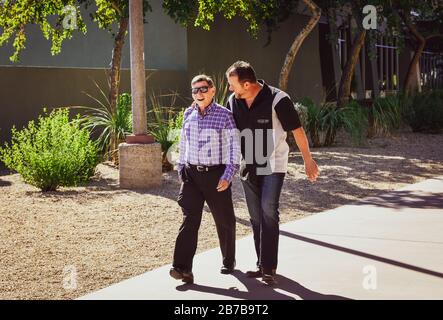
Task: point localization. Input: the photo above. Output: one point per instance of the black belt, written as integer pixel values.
(202, 168)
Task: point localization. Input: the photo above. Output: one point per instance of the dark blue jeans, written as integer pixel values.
(262, 195)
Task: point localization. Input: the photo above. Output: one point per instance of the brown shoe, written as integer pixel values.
(269, 277)
(186, 277)
(254, 273)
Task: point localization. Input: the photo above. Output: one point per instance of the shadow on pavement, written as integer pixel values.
(363, 254)
(405, 199)
(257, 290)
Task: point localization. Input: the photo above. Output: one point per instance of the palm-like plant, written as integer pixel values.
(354, 119)
(221, 89)
(386, 115)
(164, 124)
(323, 121)
(111, 128)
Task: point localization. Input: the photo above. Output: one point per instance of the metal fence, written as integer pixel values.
(431, 70)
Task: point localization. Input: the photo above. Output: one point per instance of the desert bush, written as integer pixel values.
(51, 153)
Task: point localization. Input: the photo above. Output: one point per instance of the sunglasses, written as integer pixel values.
(203, 89)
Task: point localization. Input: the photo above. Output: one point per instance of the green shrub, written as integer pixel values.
(302, 112)
(111, 128)
(354, 119)
(55, 152)
(164, 124)
(221, 89)
(331, 121)
(311, 120)
(386, 115)
(323, 121)
(425, 113)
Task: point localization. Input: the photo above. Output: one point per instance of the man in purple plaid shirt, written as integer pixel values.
(209, 158)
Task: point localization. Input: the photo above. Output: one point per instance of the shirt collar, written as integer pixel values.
(207, 109)
(264, 92)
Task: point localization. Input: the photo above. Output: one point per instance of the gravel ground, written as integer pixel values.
(106, 234)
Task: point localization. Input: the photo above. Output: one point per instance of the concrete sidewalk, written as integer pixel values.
(387, 247)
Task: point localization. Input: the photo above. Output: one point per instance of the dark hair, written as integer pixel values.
(243, 70)
(203, 77)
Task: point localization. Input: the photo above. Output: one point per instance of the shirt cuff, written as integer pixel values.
(230, 171)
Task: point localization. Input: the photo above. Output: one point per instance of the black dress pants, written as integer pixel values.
(197, 188)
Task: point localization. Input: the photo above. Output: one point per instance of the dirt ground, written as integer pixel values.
(106, 234)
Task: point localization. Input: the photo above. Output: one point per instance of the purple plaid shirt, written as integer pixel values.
(210, 139)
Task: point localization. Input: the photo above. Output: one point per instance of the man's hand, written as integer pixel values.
(312, 170)
(311, 167)
(222, 185)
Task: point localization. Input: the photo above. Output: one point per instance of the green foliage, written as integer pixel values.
(302, 112)
(221, 89)
(108, 12)
(55, 152)
(386, 115)
(179, 123)
(322, 122)
(110, 127)
(164, 121)
(354, 119)
(425, 112)
(330, 122)
(164, 124)
(312, 120)
(16, 15)
(202, 13)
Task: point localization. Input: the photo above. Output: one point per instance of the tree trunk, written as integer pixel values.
(114, 76)
(358, 76)
(411, 81)
(374, 72)
(114, 81)
(292, 53)
(332, 21)
(344, 90)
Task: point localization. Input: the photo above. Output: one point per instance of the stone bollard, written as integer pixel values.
(140, 165)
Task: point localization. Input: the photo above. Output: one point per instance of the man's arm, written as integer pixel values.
(231, 140)
(290, 121)
(311, 167)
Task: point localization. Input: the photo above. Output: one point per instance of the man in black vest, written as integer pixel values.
(264, 114)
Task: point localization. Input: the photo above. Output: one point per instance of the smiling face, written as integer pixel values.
(203, 99)
(240, 89)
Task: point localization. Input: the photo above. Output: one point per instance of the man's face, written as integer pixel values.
(202, 93)
(240, 90)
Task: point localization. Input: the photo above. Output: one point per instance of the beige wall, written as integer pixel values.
(25, 91)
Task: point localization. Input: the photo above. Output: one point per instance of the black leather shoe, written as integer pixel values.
(227, 269)
(269, 277)
(185, 276)
(254, 273)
